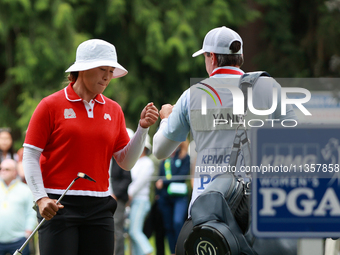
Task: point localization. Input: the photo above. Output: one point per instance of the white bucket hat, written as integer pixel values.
(94, 53)
(218, 40)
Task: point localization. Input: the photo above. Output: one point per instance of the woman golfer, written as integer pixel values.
(79, 129)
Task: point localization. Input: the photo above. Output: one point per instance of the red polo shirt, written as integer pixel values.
(76, 136)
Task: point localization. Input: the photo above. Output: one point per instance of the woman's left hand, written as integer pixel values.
(149, 115)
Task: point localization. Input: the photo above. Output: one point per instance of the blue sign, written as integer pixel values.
(296, 182)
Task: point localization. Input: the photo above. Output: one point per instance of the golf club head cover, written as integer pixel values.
(215, 229)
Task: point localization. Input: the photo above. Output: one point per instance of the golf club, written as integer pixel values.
(79, 175)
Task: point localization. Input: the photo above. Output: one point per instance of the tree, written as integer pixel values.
(38, 37)
(301, 38)
(154, 41)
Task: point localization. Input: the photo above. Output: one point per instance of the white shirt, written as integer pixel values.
(16, 212)
(141, 174)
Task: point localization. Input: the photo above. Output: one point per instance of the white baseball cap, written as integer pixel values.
(94, 53)
(218, 40)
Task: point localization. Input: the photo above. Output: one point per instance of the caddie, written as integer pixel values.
(199, 107)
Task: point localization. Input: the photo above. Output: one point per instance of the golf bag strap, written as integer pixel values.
(248, 80)
(241, 140)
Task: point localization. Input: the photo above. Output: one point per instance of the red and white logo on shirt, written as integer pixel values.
(69, 114)
(107, 116)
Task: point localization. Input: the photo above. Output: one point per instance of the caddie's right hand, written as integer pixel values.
(165, 111)
(48, 207)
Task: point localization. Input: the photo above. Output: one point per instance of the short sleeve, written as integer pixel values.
(40, 127)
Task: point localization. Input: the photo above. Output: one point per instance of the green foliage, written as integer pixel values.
(27, 108)
(36, 53)
(154, 42)
(300, 37)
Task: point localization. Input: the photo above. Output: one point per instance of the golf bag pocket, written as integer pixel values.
(215, 228)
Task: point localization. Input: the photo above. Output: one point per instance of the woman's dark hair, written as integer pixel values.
(11, 149)
(73, 76)
(230, 59)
